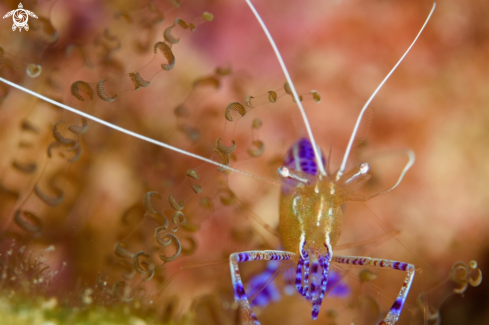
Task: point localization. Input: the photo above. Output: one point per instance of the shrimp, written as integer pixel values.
(311, 217)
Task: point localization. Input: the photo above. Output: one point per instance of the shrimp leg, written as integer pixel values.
(396, 308)
(247, 316)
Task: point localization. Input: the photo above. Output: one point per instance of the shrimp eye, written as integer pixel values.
(283, 172)
(286, 173)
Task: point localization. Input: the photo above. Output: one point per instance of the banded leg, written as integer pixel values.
(303, 273)
(396, 308)
(246, 314)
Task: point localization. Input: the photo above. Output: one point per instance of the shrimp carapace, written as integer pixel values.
(311, 216)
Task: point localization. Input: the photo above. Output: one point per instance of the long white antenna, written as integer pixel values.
(409, 164)
(133, 134)
(348, 148)
(317, 152)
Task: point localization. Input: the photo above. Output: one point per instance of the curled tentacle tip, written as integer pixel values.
(196, 188)
(257, 149)
(138, 80)
(177, 206)
(76, 129)
(207, 16)
(80, 85)
(193, 174)
(169, 37)
(224, 157)
(224, 71)
(33, 70)
(235, 106)
(463, 275)
(473, 264)
(224, 148)
(272, 96)
(287, 88)
(28, 221)
(316, 96)
(101, 92)
(248, 101)
(148, 203)
(257, 123)
(167, 53)
(229, 198)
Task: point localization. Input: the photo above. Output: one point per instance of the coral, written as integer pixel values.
(139, 233)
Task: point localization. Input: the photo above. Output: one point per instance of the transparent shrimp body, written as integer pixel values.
(311, 217)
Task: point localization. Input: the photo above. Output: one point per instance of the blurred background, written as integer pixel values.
(72, 224)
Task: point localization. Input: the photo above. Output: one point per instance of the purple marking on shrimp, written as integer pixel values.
(276, 257)
(314, 267)
(270, 292)
(306, 272)
(324, 280)
(313, 288)
(298, 273)
(243, 257)
(239, 290)
(397, 306)
(298, 279)
(400, 266)
(314, 285)
(301, 155)
(324, 263)
(315, 311)
(265, 297)
(306, 278)
(337, 288)
(358, 261)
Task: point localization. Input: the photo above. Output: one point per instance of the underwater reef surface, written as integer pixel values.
(98, 227)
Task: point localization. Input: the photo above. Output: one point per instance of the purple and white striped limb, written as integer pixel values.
(396, 308)
(316, 267)
(246, 314)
